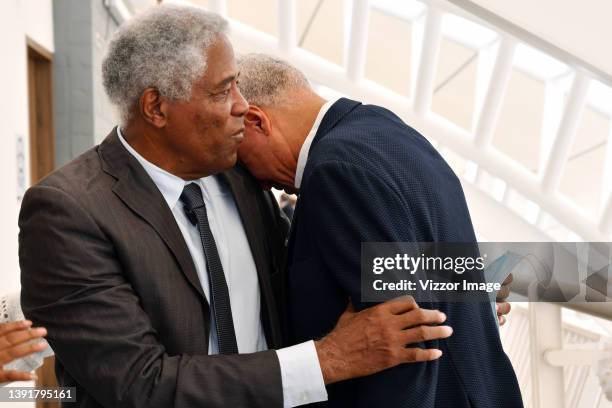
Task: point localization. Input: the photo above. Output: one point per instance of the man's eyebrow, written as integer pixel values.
(226, 81)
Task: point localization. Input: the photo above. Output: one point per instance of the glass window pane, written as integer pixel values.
(320, 26)
(518, 130)
(261, 14)
(455, 83)
(584, 171)
(388, 51)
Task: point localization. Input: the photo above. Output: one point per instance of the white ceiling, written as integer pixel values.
(581, 28)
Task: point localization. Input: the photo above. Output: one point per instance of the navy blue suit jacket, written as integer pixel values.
(371, 177)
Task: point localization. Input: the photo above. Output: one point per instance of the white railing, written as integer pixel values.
(544, 326)
(545, 383)
(541, 188)
(580, 380)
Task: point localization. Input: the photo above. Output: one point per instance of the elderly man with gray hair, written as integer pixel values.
(364, 175)
(153, 262)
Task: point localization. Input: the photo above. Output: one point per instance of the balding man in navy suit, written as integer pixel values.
(363, 175)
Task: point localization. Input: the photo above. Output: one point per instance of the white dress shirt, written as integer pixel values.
(305, 149)
(300, 370)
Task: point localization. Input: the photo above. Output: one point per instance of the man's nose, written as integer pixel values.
(241, 106)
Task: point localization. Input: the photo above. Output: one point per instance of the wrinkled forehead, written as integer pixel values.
(221, 63)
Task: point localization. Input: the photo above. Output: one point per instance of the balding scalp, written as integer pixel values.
(265, 81)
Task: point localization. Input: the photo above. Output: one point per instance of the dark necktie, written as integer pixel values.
(219, 293)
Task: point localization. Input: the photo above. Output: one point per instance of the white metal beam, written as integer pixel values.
(545, 332)
(559, 152)
(358, 40)
(495, 92)
(455, 138)
(286, 26)
(485, 16)
(605, 222)
(576, 356)
(429, 59)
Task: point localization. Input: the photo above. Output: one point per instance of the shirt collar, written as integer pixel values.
(305, 149)
(168, 184)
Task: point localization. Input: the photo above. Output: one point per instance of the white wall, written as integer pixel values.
(18, 19)
(38, 18)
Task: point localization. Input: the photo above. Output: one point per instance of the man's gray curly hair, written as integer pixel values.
(163, 48)
(264, 80)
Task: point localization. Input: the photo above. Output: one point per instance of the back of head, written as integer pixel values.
(267, 82)
(164, 48)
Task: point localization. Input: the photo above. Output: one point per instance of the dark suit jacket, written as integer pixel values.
(371, 178)
(106, 270)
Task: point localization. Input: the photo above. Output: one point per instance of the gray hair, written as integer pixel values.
(264, 79)
(163, 48)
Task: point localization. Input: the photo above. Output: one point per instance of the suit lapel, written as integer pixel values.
(137, 191)
(249, 212)
(246, 195)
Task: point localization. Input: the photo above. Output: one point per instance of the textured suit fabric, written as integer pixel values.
(371, 178)
(106, 270)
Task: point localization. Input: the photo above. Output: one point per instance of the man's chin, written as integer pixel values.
(231, 161)
(226, 164)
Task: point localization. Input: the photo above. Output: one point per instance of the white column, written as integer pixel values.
(15, 126)
(286, 26)
(495, 92)
(428, 61)
(607, 177)
(559, 152)
(605, 222)
(358, 40)
(545, 333)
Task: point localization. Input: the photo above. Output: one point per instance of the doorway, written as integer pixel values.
(42, 155)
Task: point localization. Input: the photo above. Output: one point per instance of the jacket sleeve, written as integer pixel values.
(346, 206)
(72, 284)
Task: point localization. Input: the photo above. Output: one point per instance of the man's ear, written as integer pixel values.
(256, 119)
(153, 107)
